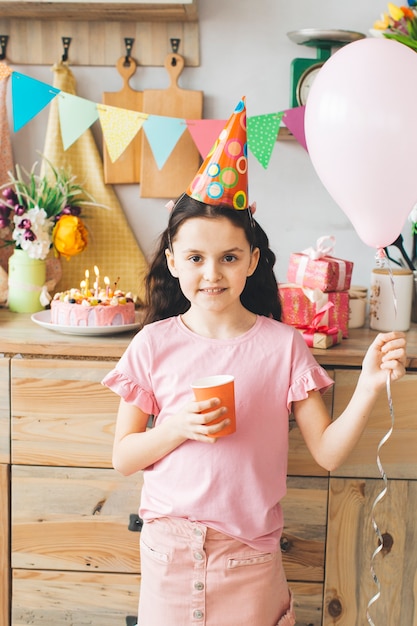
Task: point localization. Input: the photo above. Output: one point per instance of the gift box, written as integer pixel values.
(300, 305)
(322, 340)
(316, 268)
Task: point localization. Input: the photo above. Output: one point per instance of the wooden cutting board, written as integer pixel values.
(184, 161)
(127, 167)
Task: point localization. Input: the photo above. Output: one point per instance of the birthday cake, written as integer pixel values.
(76, 307)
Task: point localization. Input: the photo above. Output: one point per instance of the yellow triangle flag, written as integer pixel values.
(119, 127)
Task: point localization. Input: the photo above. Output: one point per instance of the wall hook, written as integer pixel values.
(66, 43)
(175, 44)
(129, 41)
(3, 46)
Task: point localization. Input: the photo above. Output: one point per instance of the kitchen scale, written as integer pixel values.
(304, 71)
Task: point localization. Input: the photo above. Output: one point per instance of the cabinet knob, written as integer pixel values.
(131, 620)
(135, 525)
(285, 544)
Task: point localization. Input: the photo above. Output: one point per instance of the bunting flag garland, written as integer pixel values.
(262, 133)
(205, 133)
(163, 134)
(24, 108)
(75, 116)
(120, 126)
(294, 121)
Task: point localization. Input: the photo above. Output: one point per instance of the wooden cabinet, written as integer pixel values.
(73, 558)
(356, 500)
(4, 490)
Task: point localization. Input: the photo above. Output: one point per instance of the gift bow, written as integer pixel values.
(315, 327)
(324, 247)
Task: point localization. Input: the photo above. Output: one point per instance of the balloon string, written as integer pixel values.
(384, 439)
(378, 499)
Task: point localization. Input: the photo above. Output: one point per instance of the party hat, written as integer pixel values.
(223, 177)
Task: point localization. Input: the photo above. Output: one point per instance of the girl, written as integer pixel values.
(210, 549)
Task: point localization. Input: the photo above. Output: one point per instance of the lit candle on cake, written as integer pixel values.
(87, 282)
(82, 287)
(96, 284)
(107, 283)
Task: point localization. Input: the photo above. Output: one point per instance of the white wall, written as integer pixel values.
(244, 51)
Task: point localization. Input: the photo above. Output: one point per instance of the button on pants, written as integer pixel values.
(193, 575)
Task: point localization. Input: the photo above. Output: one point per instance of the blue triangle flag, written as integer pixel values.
(163, 134)
(29, 97)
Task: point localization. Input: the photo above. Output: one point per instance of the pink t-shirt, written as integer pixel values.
(234, 486)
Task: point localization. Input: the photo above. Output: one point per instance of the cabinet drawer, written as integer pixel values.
(74, 519)
(300, 461)
(304, 536)
(45, 598)
(351, 543)
(4, 411)
(398, 454)
(61, 414)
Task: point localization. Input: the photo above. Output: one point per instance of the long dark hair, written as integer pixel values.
(164, 296)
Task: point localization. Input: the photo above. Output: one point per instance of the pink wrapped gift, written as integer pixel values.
(300, 305)
(318, 335)
(322, 340)
(316, 268)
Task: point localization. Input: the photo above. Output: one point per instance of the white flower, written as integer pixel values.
(32, 232)
(413, 215)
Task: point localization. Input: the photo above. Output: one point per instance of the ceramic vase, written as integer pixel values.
(26, 279)
(390, 300)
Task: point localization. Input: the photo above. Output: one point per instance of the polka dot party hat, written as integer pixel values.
(223, 177)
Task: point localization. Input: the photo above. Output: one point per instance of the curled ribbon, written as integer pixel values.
(315, 327)
(381, 256)
(378, 499)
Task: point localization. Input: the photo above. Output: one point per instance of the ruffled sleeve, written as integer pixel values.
(314, 379)
(131, 391)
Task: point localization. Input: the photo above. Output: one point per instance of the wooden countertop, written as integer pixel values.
(19, 335)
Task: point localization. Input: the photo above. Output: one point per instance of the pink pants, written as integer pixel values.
(195, 576)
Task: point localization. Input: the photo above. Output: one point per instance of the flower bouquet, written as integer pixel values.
(400, 24)
(39, 214)
(42, 214)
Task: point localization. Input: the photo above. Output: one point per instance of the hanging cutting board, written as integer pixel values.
(127, 167)
(183, 162)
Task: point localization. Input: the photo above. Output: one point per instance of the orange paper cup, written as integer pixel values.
(222, 387)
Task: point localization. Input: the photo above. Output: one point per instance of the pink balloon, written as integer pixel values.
(361, 134)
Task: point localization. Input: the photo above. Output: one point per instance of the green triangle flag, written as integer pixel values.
(29, 97)
(262, 131)
(75, 116)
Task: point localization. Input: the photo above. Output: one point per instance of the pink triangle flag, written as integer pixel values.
(204, 133)
(294, 121)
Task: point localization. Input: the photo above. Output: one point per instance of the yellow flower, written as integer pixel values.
(395, 12)
(69, 236)
(383, 23)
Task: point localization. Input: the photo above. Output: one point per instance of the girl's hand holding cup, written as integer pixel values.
(221, 387)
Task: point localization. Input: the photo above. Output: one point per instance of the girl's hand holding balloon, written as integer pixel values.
(385, 354)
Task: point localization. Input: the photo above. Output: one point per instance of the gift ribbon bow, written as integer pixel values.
(324, 247)
(315, 327)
